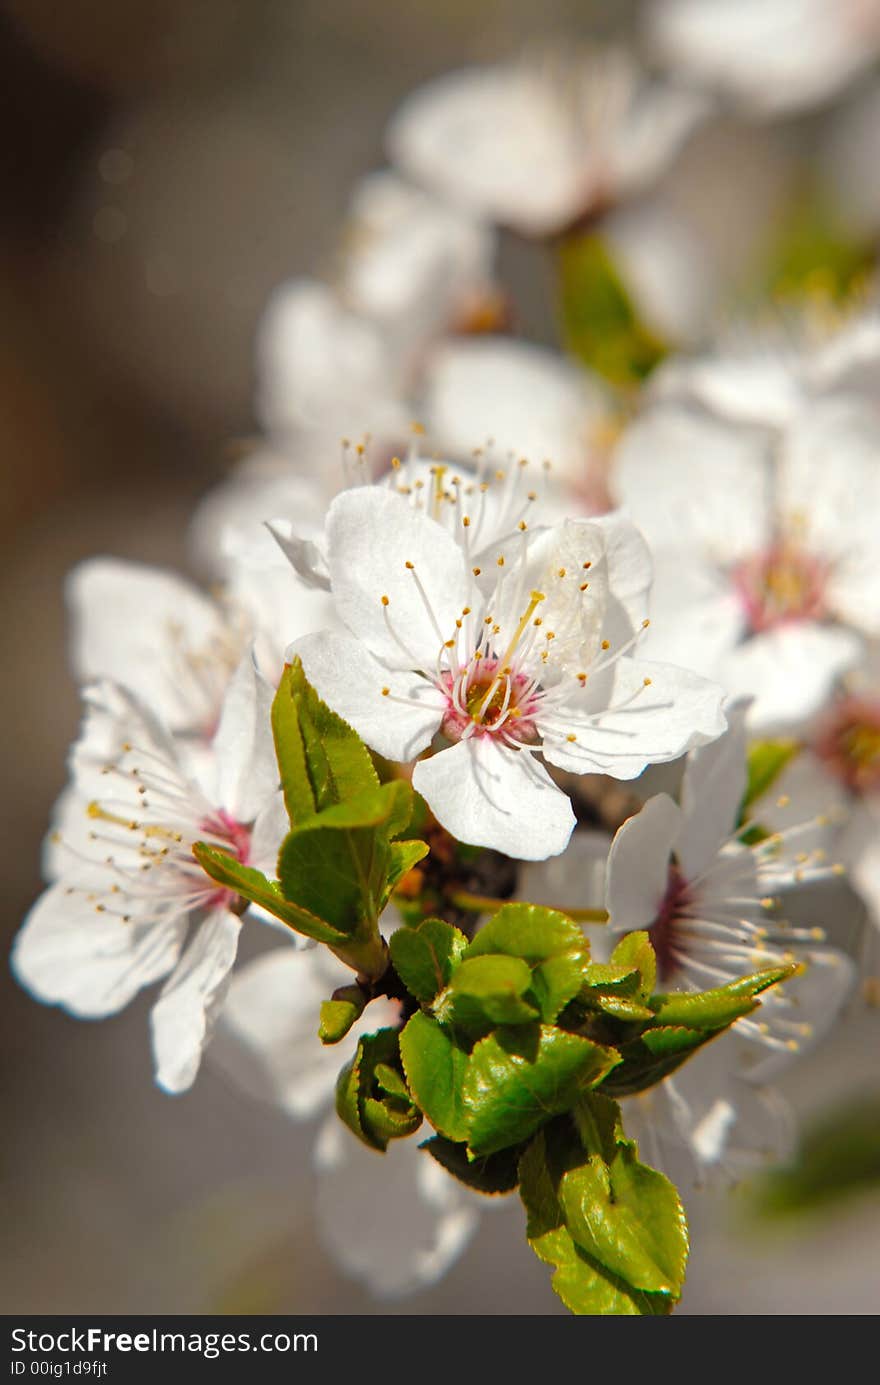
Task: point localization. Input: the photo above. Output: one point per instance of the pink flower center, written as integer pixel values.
(663, 929)
(483, 699)
(781, 585)
(222, 828)
(848, 741)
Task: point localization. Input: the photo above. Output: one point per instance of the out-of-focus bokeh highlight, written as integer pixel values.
(165, 164)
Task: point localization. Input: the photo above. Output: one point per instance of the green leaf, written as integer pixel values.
(322, 760)
(584, 1284)
(493, 1174)
(551, 943)
(530, 931)
(766, 760)
(252, 885)
(402, 857)
(362, 1099)
(556, 982)
(682, 1023)
(435, 1068)
(516, 1079)
(600, 323)
(629, 1218)
(334, 864)
(488, 988)
(425, 957)
(340, 1012)
(635, 952)
(719, 1007)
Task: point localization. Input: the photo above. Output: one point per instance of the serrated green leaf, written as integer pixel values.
(669, 1039)
(622, 1007)
(602, 976)
(334, 864)
(252, 885)
(435, 1069)
(719, 1007)
(487, 988)
(494, 1174)
(531, 932)
(765, 762)
(359, 1095)
(635, 952)
(516, 1079)
(629, 1218)
(425, 957)
(556, 982)
(551, 943)
(392, 1083)
(585, 1285)
(321, 759)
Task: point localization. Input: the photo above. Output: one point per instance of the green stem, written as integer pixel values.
(486, 904)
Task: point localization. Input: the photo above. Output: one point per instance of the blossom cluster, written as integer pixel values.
(576, 568)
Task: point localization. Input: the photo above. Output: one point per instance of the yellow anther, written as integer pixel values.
(385, 692)
(410, 565)
(395, 463)
(466, 521)
(476, 571)
(571, 737)
(645, 623)
(522, 526)
(783, 801)
(561, 572)
(646, 682)
(385, 601)
(500, 560)
(606, 644)
(584, 586)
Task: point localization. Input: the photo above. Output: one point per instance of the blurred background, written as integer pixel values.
(164, 164)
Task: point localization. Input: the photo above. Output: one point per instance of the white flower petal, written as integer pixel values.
(775, 55)
(372, 536)
(244, 767)
(494, 141)
(633, 715)
(696, 617)
(488, 795)
(91, 963)
(183, 1018)
(138, 625)
(789, 671)
(530, 401)
(320, 366)
(399, 725)
(638, 864)
(689, 481)
(711, 792)
(396, 1221)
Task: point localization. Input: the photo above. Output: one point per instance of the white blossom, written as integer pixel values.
(772, 55)
(767, 570)
(529, 656)
(539, 143)
(129, 904)
(711, 904)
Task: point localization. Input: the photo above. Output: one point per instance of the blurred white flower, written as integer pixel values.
(397, 1221)
(773, 56)
(679, 871)
(529, 656)
(757, 484)
(539, 143)
(414, 265)
(128, 891)
(524, 400)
